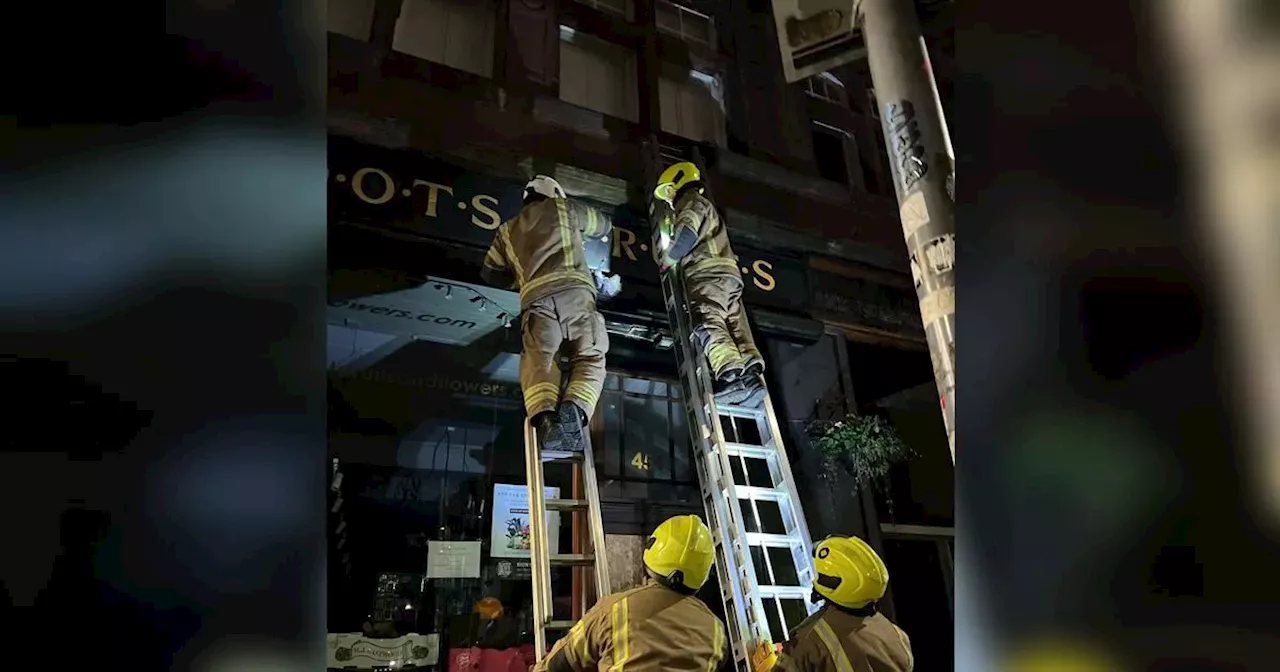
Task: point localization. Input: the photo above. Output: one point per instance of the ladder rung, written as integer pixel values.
(740, 411)
(748, 450)
(784, 592)
(760, 494)
(560, 625)
(548, 455)
(567, 504)
(773, 540)
(572, 559)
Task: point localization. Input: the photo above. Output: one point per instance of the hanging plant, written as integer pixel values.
(865, 447)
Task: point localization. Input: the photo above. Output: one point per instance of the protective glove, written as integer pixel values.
(608, 285)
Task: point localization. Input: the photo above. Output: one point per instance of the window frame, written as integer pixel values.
(681, 33)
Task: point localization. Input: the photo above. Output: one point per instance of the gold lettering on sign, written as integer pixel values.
(433, 191)
(622, 242)
(388, 187)
(478, 202)
(762, 268)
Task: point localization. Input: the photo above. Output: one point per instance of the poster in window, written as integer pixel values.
(509, 537)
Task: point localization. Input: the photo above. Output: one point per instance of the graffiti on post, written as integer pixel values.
(903, 132)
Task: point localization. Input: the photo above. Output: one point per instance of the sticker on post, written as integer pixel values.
(940, 253)
(914, 213)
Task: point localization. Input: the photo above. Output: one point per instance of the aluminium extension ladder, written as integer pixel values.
(764, 561)
(540, 559)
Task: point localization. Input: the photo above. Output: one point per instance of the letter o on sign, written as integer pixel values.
(388, 187)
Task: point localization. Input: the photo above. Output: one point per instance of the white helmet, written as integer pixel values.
(545, 186)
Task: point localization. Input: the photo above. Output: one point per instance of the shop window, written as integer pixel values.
(353, 18)
(826, 87)
(643, 435)
(684, 23)
(622, 8)
(689, 105)
(597, 75)
(829, 153)
(456, 33)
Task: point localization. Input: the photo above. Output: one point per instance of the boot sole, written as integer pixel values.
(571, 427)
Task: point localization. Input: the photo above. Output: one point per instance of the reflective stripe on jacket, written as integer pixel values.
(647, 629)
(838, 641)
(541, 248)
(712, 252)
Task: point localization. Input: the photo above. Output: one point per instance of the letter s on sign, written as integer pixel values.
(762, 268)
(388, 187)
(477, 202)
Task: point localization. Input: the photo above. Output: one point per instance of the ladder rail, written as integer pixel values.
(539, 558)
(539, 540)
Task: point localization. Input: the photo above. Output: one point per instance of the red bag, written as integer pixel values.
(475, 659)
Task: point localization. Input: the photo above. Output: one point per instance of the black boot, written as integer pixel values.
(726, 381)
(573, 426)
(752, 391)
(547, 425)
(754, 367)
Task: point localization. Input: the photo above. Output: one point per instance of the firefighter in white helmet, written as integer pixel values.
(540, 253)
(848, 633)
(699, 248)
(659, 626)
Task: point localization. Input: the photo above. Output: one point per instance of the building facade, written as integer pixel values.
(439, 110)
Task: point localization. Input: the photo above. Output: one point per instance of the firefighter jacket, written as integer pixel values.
(838, 641)
(540, 250)
(647, 629)
(696, 215)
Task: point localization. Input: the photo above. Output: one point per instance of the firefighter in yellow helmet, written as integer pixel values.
(659, 626)
(848, 633)
(698, 244)
(540, 253)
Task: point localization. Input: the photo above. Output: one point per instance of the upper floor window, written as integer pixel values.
(685, 23)
(456, 33)
(827, 87)
(690, 105)
(353, 18)
(597, 75)
(621, 8)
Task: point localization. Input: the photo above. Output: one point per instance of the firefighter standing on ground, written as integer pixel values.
(713, 282)
(658, 626)
(540, 253)
(847, 634)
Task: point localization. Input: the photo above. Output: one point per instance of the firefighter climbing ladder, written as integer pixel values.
(540, 559)
(763, 550)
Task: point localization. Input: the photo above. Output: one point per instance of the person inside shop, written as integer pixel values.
(848, 632)
(697, 244)
(658, 626)
(540, 253)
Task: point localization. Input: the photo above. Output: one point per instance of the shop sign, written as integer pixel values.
(441, 311)
(406, 190)
(347, 650)
(862, 302)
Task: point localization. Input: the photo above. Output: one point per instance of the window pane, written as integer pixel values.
(697, 28)
(668, 18)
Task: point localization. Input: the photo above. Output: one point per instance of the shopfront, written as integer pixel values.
(428, 522)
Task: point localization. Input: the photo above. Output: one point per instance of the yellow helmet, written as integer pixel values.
(680, 551)
(675, 177)
(849, 572)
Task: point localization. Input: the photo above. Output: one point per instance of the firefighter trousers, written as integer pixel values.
(568, 320)
(720, 321)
